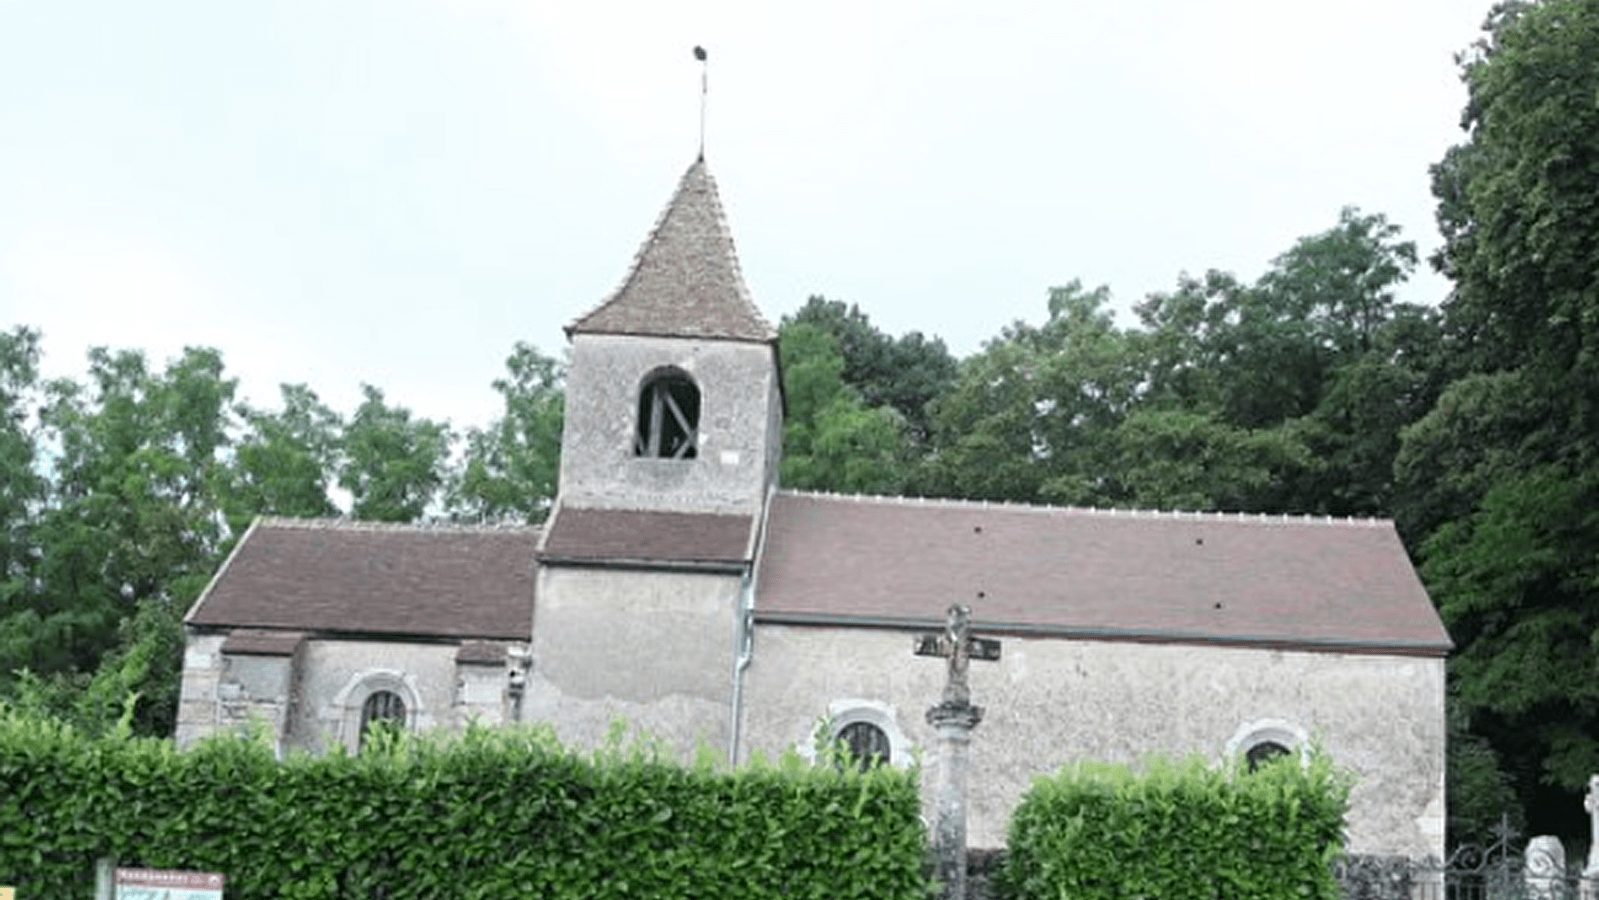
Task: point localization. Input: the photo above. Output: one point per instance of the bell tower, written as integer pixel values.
(673, 399)
(674, 414)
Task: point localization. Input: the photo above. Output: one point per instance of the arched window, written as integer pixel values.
(1264, 752)
(866, 744)
(668, 417)
(1264, 740)
(382, 709)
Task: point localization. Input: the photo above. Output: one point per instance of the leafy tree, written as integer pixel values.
(1174, 459)
(393, 465)
(1187, 342)
(1364, 408)
(831, 439)
(1342, 282)
(1515, 583)
(22, 487)
(1497, 479)
(132, 522)
(1476, 784)
(1481, 431)
(512, 467)
(1316, 367)
(905, 373)
(285, 460)
(1521, 233)
(1030, 416)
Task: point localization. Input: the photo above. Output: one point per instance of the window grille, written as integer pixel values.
(866, 744)
(382, 709)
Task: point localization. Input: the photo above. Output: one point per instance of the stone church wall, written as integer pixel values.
(337, 676)
(313, 700)
(1050, 702)
(225, 691)
(653, 648)
(738, 406)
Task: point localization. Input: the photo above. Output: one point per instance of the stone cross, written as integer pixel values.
(953, 719)
(959, 647)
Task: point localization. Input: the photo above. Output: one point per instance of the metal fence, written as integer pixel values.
(1498, 870)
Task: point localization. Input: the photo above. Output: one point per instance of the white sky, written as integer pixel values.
(393, 191)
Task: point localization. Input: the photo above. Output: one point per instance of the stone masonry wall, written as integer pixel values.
(739, 401)
(1050, 702)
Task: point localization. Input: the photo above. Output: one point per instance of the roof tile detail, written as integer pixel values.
(685, 281)
(1072, 572)
(624, 535)
(332, 576)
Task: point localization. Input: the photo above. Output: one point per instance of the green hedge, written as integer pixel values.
(1179, 830)
(491, 814)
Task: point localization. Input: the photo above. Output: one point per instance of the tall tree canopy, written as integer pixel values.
(285, 460)
(512, 467)
(1498, 478)
(904, 373)
(122, 492)
(393, 464)
(1283, 396)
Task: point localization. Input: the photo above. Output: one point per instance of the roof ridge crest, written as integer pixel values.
(438, 526)
(1110, 512)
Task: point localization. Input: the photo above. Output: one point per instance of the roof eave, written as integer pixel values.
(1421, 648)
(222, 570)
(718, 566)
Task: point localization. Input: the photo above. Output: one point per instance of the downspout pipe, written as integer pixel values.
(744, 632)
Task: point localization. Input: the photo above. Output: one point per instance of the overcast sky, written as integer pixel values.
(395, 191)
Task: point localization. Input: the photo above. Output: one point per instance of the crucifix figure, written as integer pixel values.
(958, 644)
(959, 648)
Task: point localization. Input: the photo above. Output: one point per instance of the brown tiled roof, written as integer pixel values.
(1291, 582)
(579, 535)
(263, 642)
(685, 280)
(362, 578)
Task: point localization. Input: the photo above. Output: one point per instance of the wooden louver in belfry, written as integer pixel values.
(669, 410)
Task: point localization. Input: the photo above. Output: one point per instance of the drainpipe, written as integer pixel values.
(744, 631)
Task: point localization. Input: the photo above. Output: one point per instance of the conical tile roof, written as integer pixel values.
(685, 281)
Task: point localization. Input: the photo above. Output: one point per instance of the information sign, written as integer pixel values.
(8, 893)
(166, 884)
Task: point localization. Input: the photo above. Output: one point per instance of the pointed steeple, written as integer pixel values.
(685, 281)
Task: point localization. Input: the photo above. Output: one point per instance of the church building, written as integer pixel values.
(677, 586)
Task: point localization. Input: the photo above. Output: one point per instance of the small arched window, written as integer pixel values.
(1264, 752)
(866, 744)
(1263, 740)
(382, 709)
(668, 417)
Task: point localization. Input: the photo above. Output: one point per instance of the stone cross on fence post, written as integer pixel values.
(954, 718)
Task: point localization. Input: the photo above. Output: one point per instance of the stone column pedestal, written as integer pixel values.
(954, 722)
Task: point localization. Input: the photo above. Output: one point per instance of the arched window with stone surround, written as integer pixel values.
(866, 744)
(668, 416)
(1264, 752)
(1263, 740)
(866, 731)
(382, 709)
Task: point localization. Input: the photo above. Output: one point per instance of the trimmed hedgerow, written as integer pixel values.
(1179, 830)
(493, 813)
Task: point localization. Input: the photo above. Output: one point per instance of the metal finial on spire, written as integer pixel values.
(700, 54)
